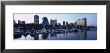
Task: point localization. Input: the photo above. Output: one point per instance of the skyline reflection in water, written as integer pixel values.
(87, 35)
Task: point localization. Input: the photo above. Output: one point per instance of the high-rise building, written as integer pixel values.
(63, 22)
(66, 23)
(81, 22)
(85, 21)
(45, 21)
(22, 22)
(53, 22)
(36, 19)
(19, 22)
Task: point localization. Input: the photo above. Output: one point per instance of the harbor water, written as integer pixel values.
(85, 35)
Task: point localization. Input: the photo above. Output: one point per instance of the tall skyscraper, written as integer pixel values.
(85, 22)
(36, 19)
(66, 23)
(63, 22)
(53, 22)
(19, 22)
(81, 22)
(45, 21)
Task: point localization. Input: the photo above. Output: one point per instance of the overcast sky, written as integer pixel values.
(69, 17)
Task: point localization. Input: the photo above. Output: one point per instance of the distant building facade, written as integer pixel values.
(22, 22)
(36, 19)
(66, 23)
(71, 24)
(53, 22)
(81, 22)
(45, 21)
(58, 23)
(63, 22)
(19, 22)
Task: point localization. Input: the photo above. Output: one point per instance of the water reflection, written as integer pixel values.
(87, 35)
(36, 37)
(45, 36)
(53, 34)
(65, 33)
(81, 35)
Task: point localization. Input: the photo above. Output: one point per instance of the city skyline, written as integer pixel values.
(68, 17)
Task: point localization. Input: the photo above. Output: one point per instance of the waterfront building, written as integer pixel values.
(85, 22)
(19, 22)
(81, 22)
(53, 22)
(22, 22)
(67, 23)
(58, 23)
(45, 21)
(63, 22)
(71, 24)
(36, 19)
